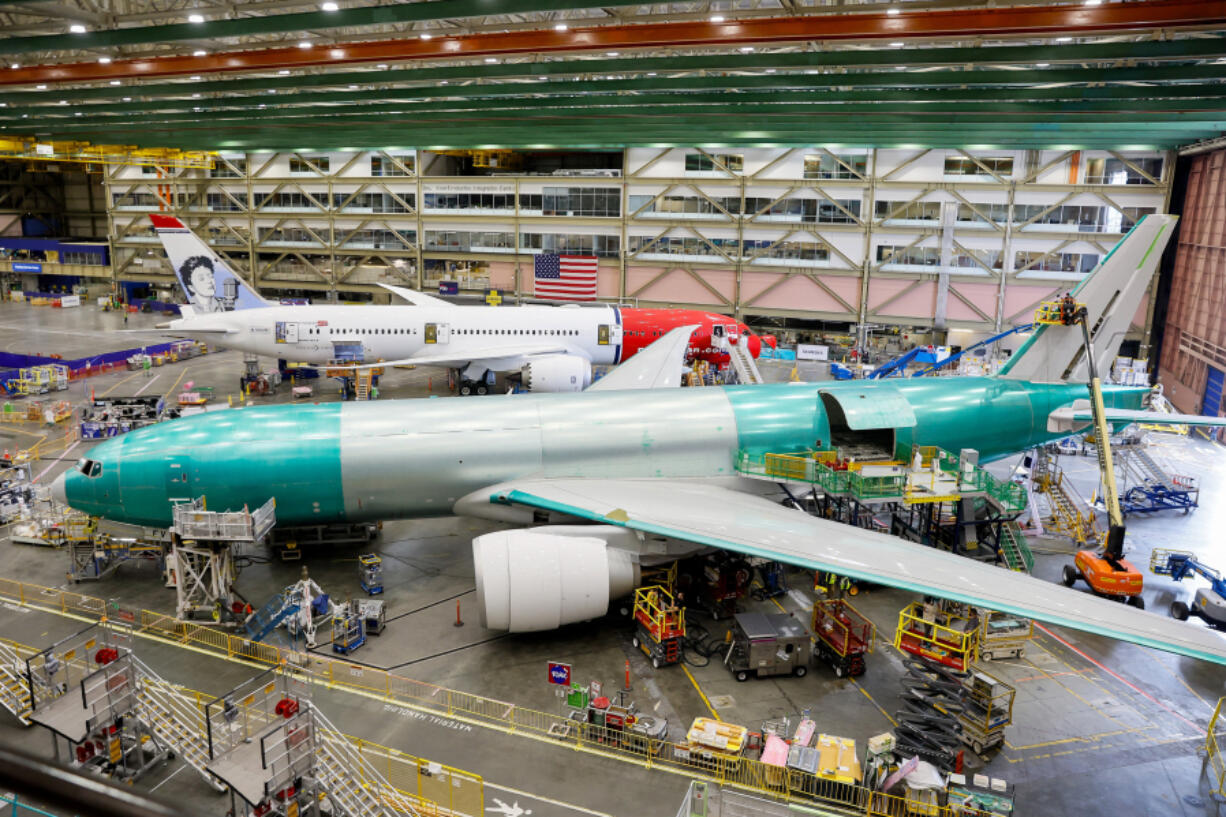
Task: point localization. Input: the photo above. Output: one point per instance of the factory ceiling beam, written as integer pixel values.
(1077, 82)
(961, 23)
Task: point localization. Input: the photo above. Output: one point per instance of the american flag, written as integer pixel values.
(566, 277)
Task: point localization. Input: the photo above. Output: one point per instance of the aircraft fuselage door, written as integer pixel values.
(437, 333)
(178, 479)
(603, 334)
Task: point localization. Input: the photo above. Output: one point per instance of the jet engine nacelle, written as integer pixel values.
(543, 578)
(557, 373)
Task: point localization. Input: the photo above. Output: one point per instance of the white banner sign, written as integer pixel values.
(806, 351)
(469, 188)
(70, 300)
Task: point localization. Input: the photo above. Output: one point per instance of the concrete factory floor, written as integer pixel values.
(1099, 727)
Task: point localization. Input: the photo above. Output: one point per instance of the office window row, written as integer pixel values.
(1032, 260)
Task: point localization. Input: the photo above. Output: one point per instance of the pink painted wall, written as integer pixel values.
(1021, 298)
(799, 292)
(502, 275)
(981, 295)
(678, 287)
(918, 303)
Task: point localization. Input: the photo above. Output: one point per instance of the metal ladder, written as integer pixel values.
(175, 717)
(355, 787)
(1013, 548)
(14, 692)
(1065, 517)
(746, 370)
(1149, 468)
(263, 621)
(361, 383)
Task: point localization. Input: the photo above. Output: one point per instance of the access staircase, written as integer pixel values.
(352, 783)
(1066, 516)
(1013, 548)
(14, 691)
(362, 379)
(1147, 468)
(266, 619)
(174, 715)
(743, 364)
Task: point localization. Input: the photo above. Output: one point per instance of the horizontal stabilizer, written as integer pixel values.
(1078, 416)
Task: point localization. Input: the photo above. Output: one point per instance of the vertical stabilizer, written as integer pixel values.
(1111, 293)
(206, 280)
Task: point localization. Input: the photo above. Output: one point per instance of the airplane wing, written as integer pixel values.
(498, 358)
(1078, 416)
(659, 366)
(710, 515)
(417, 298)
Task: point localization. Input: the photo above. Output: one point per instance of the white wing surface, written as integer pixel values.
(498, 358)
(707, 514)
(416, 297)
(659, 366)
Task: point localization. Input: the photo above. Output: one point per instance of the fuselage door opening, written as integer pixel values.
(437, 333)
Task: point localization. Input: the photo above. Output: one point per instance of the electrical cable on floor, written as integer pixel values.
(699, 641)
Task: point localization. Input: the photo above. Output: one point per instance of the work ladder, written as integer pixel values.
(14, 691)
(743, 363)
(175, 717)
(1013, 548)
(361, 383)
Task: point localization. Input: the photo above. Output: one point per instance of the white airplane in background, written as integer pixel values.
(550, 348)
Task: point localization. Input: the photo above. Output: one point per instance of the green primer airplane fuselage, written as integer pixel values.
(409, 458)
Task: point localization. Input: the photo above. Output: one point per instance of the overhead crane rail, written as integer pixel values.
(27, 148)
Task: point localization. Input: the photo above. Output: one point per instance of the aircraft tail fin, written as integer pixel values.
(206, 280)
(1112, 292)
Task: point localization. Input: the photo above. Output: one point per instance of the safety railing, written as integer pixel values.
(1215, 764)
(455, 708)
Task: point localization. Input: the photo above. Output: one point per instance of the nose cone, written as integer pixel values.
(59, 490)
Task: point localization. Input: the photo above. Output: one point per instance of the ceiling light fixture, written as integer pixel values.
(1094, 2)
(893, 12)
(560, 27)
(284, 72)
(612, 53)
(745, 49)
(1041, 64)
(115, 82)
(717, 18)
(195, 96)
(200, 53)
(426, 35)
(104, 60)
(329, 6)
(1064, 39)
(304, 44)
(195, 18)
(63, 101)
(491, 60)
(897, 45)
(15, 66)
(353, 87)
(127, 99)
(77, 28)
(42, 87)
(382, 66)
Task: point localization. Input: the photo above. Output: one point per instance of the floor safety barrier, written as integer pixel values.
(794, 786)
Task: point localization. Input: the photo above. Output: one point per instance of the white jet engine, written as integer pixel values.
(556, 373)
(543, 578)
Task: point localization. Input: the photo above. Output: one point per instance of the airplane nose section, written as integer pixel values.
(59, 490)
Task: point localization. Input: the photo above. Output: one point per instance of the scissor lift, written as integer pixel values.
(843, 636)
(659, 625)
(942, 633)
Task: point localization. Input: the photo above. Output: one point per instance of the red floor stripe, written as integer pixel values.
(1119, 678)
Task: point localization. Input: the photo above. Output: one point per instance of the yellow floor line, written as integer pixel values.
(701, 694)
(121, 382)
(175, 384)
(874, 702)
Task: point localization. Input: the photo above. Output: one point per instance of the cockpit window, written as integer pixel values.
(90, 468)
